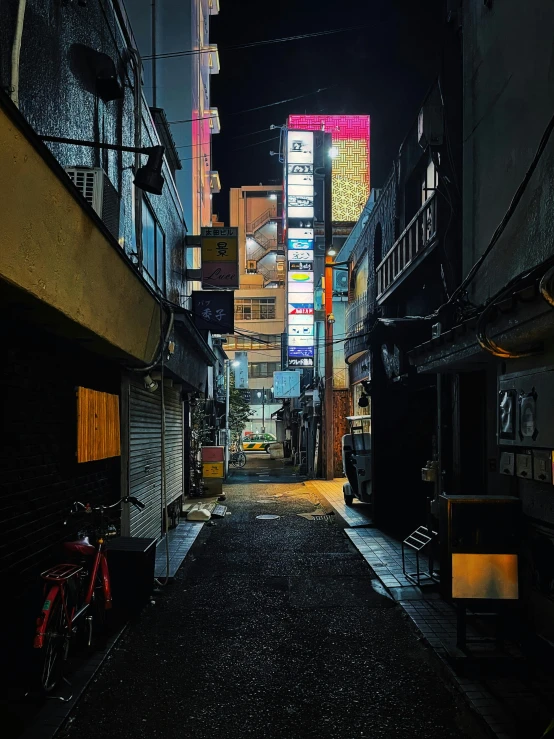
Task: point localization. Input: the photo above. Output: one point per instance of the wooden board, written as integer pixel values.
(98, 425)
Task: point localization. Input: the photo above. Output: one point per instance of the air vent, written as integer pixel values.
(95, 186)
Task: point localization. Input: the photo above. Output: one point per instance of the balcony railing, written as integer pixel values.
(416, 237)
(356, 311)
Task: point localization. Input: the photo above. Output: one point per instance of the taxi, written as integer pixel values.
(257, 442)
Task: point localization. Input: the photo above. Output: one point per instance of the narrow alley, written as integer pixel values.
(286, 634)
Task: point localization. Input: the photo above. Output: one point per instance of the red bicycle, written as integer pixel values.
(77, 596)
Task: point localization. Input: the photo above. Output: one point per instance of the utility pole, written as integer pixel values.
(262, 395)
(227, 396)
(328, 388)
(329, 318)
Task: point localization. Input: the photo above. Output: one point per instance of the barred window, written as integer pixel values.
(254, 309)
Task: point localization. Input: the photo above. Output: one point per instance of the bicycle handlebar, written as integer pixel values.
(77, 505)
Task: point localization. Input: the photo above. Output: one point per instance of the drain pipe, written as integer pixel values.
(137, 192)
(16, 51)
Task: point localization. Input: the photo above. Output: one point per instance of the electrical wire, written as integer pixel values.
(240, 136)
(250, 110)
(285, 39)
(507, 216)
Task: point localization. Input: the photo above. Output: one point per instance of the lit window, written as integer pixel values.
(429, 182)
(255, 309)
(153, 248)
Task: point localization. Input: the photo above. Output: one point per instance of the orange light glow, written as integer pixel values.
(487, 576)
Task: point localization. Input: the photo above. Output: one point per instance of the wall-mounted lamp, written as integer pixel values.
(330, 318)
(333, 152)
(148, 178)
(273, 196)
(150, 384)
(331, 252)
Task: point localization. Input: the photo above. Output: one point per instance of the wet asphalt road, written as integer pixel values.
(271, 629)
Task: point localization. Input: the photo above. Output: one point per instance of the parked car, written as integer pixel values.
(257, 442)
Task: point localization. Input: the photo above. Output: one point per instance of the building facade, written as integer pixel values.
(494, 351)
(173, 40)
(92, 290)
(260, 302)
(404, 265)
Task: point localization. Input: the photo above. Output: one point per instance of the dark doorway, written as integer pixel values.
(472, 441)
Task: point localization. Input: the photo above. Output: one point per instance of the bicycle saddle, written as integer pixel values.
(83, 546)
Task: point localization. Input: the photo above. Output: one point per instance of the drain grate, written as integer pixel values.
(267, 517)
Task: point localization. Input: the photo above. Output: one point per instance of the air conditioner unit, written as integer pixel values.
(430, 122)
(96, 188)
(251, 265)
(340, 281)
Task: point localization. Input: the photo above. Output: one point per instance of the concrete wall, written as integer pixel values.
(508, 102)
(54, 251)
(58, 97)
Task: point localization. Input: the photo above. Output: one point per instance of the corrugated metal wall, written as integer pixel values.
(145, 455)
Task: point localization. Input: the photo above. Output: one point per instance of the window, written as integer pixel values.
(153, 248)
(263, 369)
(262, 341)
(254, 309)
(429, 182)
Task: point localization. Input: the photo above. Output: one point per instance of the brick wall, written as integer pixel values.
(341, 409)
(39, 474)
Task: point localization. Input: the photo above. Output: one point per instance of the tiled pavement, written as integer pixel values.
(504, 703)
(355, 515)
(180, 540)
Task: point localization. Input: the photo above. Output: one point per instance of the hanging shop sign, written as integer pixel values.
(214, 311)
(286, 384)
(220, 264)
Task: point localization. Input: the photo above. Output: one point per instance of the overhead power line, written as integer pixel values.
(249, 110)
(285, 39)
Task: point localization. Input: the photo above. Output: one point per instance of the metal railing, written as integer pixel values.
(356, 311)
(261, 220)
(415, 238)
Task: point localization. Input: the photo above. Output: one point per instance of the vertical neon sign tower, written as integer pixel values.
(299, 204)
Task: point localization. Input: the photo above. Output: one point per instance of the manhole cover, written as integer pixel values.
(267, 517)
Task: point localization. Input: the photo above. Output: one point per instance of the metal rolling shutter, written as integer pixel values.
(173, 444)
(145, 461)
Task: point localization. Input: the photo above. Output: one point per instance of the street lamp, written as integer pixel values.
(228, 364)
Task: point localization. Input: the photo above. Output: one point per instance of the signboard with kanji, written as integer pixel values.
(214, 311)
(220, 264)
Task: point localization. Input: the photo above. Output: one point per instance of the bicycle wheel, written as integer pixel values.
(54, 651)
(241, 459)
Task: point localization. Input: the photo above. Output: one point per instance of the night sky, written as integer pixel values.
(382, 70)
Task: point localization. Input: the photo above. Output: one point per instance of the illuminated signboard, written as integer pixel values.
(351, 181)
(299, 200)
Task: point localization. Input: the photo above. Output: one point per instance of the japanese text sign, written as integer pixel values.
(213, 310)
